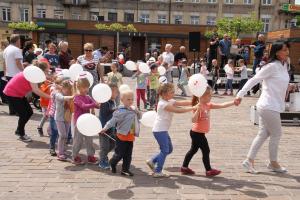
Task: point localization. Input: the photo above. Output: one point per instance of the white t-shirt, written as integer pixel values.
(168, 58)
(244, 73)
(164, 118)
(275, 79)
(11, 54)
(229, 73)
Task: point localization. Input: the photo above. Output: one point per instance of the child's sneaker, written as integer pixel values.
(104, 164)
(77, 161)
(52, 152)
(113, 168)
(160, 175)
(186, 171)
(92, 160)
(25, 138)
(151, 165)
(62, 158)
(213, 172)
(40, 131)
(127, 173)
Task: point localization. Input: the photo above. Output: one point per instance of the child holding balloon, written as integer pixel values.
(83, 103)
(201, 126)
(126, 119)
(64, 94)
(165, 109)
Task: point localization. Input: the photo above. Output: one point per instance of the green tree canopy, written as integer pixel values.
(117, 27)
(25, 26)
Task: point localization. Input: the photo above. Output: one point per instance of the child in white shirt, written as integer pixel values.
(229, 70)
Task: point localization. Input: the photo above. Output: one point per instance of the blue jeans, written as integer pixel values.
(54, 133)
(229, 85)
(165, 144)
(255, 64)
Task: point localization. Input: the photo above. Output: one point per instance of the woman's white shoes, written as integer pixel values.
(249, 167)
(278, 170)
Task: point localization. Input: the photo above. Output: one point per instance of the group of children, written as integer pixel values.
(121, 122)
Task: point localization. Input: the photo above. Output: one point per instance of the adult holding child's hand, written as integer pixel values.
(275, 78)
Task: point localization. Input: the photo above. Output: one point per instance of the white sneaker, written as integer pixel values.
(151, 165)
(25, 138)
(249, 167)
(278, 170)
(160, 175)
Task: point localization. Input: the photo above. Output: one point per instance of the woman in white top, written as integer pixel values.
(275, 78)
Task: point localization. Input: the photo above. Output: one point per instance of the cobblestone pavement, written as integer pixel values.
(27, 171)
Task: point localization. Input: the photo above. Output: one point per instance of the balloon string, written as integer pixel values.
(109, 137)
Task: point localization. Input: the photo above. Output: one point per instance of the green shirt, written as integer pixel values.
(154, 81)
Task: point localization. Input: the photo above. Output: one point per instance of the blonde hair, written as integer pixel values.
(62, 43)
(67, 85)
(52, 45)
(83, 82)
(165, 88)
(88, 45)
(125, 93)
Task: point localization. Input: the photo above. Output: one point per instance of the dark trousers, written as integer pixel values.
(241, 85)
(2, 86)
(198, 141)
(22, 107)
(224, 60)
(11, 108)
(123, 151)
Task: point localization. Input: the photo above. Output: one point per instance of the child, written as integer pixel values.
(141, 86)
(126, 118)
(83, 103)
(114, 77)
(183, 79)
(165, 109)
(229, 69)
(45, 87)
(63, 125)
(105, 114)
(201, 126)
(244, 74)
(153, 84)
(203, 69)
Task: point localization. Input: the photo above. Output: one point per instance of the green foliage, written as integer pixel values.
(237, 25)
(116, 27)
(298, 20)
(26, 26)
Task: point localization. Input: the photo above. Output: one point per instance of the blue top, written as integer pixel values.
(53, 59)
(225, 47)
(141, 81)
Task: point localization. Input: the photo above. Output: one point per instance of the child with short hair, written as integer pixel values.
(105, 114)
(165, 109)
(203, 69)
(201, 126)
(183, 79)
(244, 74)
(141, 86)
(126, 119)
(83, 103)
(64, 93)
(153, 84)
(115, 77)
(229, 70)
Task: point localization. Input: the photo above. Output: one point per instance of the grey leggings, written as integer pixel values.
(78, 142)
(269, 126)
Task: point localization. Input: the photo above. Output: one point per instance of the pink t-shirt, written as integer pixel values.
(203, 123)
(18, 86)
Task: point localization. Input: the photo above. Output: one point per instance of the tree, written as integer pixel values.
(237, 25)
(298, 20)
(25, 26)
(116, 27)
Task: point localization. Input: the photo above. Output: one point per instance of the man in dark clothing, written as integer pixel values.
(178, 57)
(259, 47)
(213, 51)
(225, 45)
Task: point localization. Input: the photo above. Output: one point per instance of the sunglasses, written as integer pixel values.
(88, 50)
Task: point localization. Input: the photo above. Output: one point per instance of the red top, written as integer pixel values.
(203, 123)
(18, 86)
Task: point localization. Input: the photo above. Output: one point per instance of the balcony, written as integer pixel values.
(75, 3)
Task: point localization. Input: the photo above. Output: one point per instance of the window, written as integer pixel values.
(113, 17)
(178, 19)
(266, 2)
(76, 2)
(6, 15)
(129, 17)
(211, 1)
(211, 20)
(179, 1)
(76, 16)
(24, 15)
(41, 13)
(58, 14)
(229, 1)
(247, 1)
(162, 19)
(195, 1)
(266, 22)
(94, 16)
(144, 18)
(195, 20)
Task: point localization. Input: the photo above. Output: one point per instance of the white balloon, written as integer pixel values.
(34, 74)
(75, 70)
(197, 84)
(148, 118)
(101, 93)
(124, 87)
(161, 70)
(144, 68)
(87, 75)
(163, 79)
(130, 65)
(121, 57)
(66, 73)
(89, 125)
